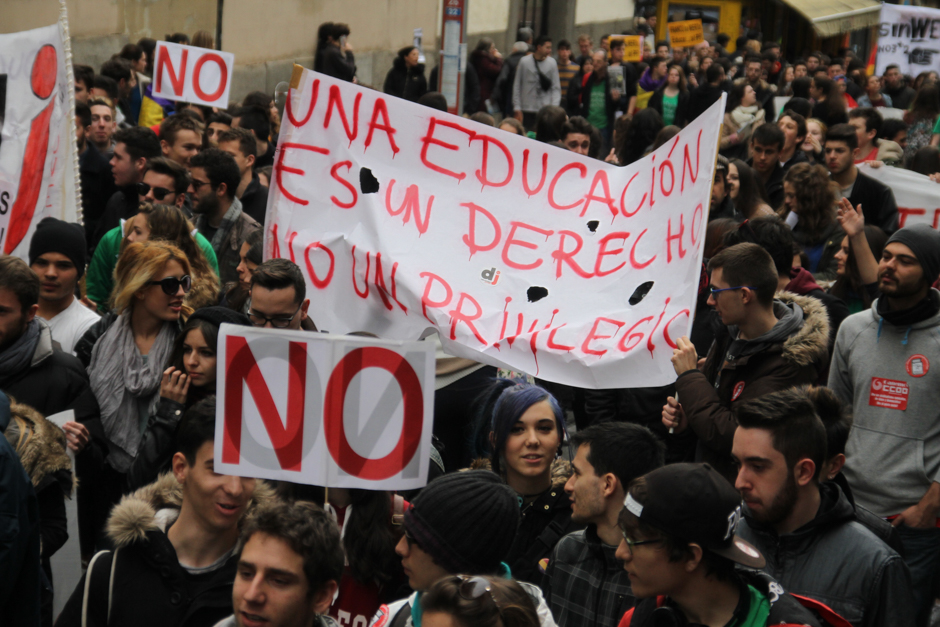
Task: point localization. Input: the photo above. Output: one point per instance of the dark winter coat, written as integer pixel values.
(488, 69)
(338, 64)
(877, 201)
(701, 98)
(543, 523)
(682, 108)
(579, 97)
(835, 560)
(405, 82)
(150, 587)
(709, 396)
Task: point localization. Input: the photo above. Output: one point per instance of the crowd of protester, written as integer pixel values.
(790, 475)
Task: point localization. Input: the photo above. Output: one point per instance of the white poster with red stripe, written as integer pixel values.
(37, 136)
(318, 409)
(521, 254)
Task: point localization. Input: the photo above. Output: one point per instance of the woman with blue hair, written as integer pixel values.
(526, 433)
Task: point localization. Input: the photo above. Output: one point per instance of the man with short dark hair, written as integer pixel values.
(767, 141)
(258, 121)
(584, 583)
(240, 143)
(807, 530)
(774, 236)
(896, 131)
(84, 81)
(765, 344)
(290, 564)
(867, 122)
(97, 181)
(681, 550)
(536, 83)
(722, 206)
(896, 86)
(278, 297)
(180, 138)
(218, 123)
(566, 69)
(793, 126)
(132, 149)
(57, 256)
(753, 72)
(106, 88)
(876, 198)
(463, 523)
(174, 541)
(879, 370)
(576, 135)
(120, 71)
(219, 214)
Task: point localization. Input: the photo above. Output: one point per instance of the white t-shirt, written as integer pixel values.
(69, 326)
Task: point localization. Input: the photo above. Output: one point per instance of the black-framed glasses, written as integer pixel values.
(171, 285)
(716, 291)
(278, 322)
(196, 183)
(410, 540)
(631, 543)
(158, 192)
(474, 588)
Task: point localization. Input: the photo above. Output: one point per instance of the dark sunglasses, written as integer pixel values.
(171, 284)
(158, 192)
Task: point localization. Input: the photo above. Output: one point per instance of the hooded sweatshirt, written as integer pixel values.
(887, 375)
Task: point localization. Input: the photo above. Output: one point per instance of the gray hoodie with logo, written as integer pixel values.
(890, 377)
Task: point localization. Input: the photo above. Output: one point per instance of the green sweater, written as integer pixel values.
(99, 281)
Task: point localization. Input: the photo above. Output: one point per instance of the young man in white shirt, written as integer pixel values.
(57, 256)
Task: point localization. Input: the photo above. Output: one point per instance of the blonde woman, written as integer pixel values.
(126, 353)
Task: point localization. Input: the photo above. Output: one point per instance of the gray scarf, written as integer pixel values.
(18, 355)
(120, 377)
(225, 227)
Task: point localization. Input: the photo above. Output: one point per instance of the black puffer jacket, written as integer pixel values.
(405, 82)
(835, 560)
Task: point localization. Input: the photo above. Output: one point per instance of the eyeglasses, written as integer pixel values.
(197, 184)
(171, 284)
(410, 540)
(631, 543)
(473, 588)
(279, 322)
(158, 192)
(715, 292)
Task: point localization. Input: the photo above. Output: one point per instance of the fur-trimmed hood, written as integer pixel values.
(811, 343)
(41, 447)
(561, 469)
(154, 507)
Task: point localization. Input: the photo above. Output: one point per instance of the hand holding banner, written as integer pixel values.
(192, 74)
(337, 411)
(522, 255)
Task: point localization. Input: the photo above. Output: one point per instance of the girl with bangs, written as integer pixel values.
(125, 354)
(526, 430)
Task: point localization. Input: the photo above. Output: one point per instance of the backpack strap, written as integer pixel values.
(111, 582)
(401, 618)
(549, 537)
(85, 594)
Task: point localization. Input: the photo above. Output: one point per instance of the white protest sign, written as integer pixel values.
(327, 410)
(67, 561)
(917, 196)
(192, 74)
(908, 37)
(521, 254)
(37, 178)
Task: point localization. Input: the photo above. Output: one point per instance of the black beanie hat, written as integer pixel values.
(56, 236)
(466, 521)
(924, 242)
(218, 315)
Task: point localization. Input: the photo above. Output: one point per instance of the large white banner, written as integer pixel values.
(917, 196)
(37, 176)
(908, 37)
(347, 412)
(521, 254)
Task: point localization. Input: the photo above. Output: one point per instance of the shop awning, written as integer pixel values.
(834, 17)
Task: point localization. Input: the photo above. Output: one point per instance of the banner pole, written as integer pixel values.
(70, 77)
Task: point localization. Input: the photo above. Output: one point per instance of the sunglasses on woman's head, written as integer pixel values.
(171, 284)
(158, 192)
(473, 588)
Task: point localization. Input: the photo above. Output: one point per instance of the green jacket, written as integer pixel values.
(99, 280)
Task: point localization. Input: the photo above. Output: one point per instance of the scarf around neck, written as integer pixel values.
(17, 357)
(744, 115)
(120, 376)
(927, 308)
